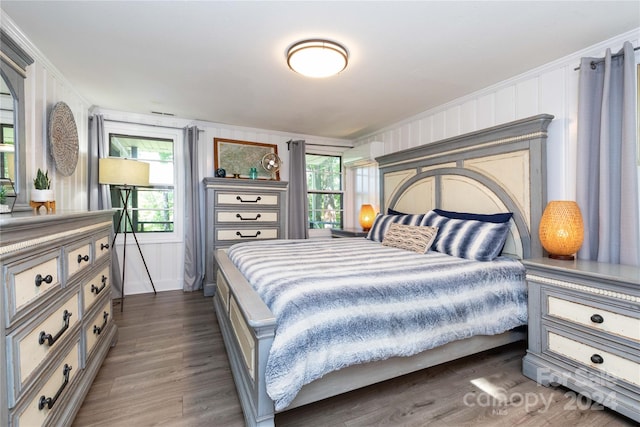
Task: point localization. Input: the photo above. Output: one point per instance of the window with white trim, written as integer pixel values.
(324, 191)
(151, 208)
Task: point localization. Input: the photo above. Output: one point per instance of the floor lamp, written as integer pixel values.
(125, 174)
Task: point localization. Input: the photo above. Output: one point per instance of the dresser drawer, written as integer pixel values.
(246, 234)
(247, 199)
(594, 357)
(93, 289)
(246, 217)
(78, 258)
(96, 328)
(35, 343)
(101, 246)
(28, 281)
(43, 402)
(594, 317)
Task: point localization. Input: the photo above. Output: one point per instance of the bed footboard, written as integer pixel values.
(248, 328)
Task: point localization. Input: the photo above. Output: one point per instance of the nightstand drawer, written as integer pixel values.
(594, 317)
(594, 357)
(246, 217)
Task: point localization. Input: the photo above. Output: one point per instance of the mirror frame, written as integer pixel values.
(13, 68)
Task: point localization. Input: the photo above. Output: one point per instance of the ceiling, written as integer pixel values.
(225, 62)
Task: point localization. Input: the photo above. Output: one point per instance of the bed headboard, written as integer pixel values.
(498, 169)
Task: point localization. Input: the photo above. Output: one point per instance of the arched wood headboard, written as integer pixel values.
(498, 169)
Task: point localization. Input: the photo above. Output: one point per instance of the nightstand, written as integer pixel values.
(348, 232)
(584, 330)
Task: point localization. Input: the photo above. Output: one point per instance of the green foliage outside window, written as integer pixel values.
(324, 188)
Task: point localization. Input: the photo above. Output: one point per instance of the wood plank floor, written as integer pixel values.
(169, 368)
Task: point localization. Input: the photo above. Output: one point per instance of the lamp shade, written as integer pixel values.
(119, 171)
(367, 215)
(561, 229)
(317, 58)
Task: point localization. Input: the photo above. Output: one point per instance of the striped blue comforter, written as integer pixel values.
(341, 302)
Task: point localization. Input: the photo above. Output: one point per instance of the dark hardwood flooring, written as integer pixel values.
(169, 368)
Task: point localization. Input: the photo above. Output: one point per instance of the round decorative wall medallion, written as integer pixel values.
(63, 139)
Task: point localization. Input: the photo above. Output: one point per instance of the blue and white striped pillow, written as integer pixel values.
(382, 223)
(477, 240)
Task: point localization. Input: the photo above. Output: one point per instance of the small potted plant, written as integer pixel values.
(42, 188)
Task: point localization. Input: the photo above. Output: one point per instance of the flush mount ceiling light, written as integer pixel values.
(317, 58)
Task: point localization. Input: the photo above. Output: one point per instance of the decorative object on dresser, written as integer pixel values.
(125, 174)
(367, 215)
(272, 164)
(241, 210)
(56, 313)
(42, 194)
(584, 330)
(238, 157)
(63, 139)
(561, 229)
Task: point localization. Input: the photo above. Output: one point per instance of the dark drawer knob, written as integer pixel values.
(46, 279)
(83, 258)
(596, 318)
(597, 359)
(104, 246)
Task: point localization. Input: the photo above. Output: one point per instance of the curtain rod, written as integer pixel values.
(291, 141)
(597, 61)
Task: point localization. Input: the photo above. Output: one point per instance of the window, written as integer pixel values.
(151, 208)
(324, 190)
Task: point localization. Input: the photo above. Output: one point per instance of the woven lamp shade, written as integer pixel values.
(561, 229)
(367, 215)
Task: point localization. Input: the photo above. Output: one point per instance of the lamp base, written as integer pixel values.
(562, 257)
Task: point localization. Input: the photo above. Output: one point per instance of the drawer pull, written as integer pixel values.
(82, 258)
(248, 219)
(98, 329)
(46, 279)
(248, 201)
(50, 401)
(248, 236)
(104, 246)
(52, 339)
(96, 290)
(597, 359)
(596, 318)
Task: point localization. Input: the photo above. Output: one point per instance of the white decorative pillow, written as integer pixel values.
(410, 237)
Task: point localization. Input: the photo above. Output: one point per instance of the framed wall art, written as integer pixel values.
(237, 158)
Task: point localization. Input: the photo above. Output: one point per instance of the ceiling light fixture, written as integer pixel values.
(317, 58)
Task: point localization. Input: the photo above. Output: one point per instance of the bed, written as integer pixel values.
(499, 169)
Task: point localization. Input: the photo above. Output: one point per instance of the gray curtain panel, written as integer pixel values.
(607, 170)
(298, 210)
(193, 215)
(99, 195)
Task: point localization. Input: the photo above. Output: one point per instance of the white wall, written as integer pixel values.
(552, 88)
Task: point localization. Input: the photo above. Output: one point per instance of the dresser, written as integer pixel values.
(584, 331)
(240, 210)
(56, 313)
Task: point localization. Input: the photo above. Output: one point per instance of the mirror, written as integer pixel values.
(13, 64)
